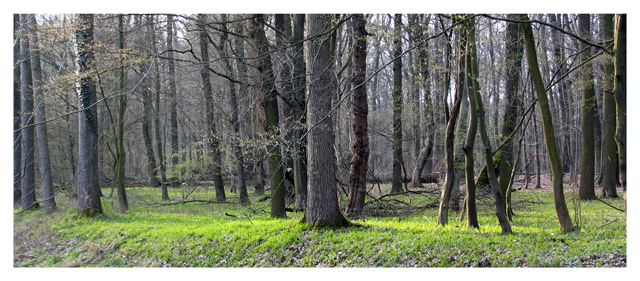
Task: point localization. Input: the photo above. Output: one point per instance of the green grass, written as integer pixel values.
(201, 235)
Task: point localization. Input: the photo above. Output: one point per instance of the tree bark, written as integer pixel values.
(270, 108)
(17, 113)
(359, 104)
(28, 138)
(396, 183)
(322, 196)
(620, 92)
(550, 141)
(173, 104)
(87, 180)
(587, 166)
(609, 159)
(467, 149)
(299, 104)
(41, 129)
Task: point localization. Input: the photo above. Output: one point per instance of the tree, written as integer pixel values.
(173, 100)
(396, 184)
(322, 197)
(550, 140)
(472, 215)
(620, 93)
(147, 102)
(299, 150)
(87, 179)
(28, 149)
(609, 159)
(17, 113)
(587, 167)
(40, 118)
(213, 146)
(270, 109)
(120, 155)
(359, 104)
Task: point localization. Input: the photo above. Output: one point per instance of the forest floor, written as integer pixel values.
(399, 231)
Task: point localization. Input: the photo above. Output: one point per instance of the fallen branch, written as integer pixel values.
(610, 205)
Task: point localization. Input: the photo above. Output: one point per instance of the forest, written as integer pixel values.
(319, 140)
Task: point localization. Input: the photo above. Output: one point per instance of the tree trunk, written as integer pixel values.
(87, 180)
(620, 92)
(235, 120)
(396, 183)
(322, 196)
(173, 105)
(587, 167)
(41, 128)
(28, 149)
(550, 140)
(467, 149)
(213, 139)
(359, 104)
(609, 149)
(536, 150)
(17, 133)
(157, 87)
(299, 150)
(445, 196)
(270, 109)
(513, 63)
(147, 112)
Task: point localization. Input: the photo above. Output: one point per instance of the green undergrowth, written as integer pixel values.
(200, 234)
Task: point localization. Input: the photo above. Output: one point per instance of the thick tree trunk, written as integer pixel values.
(396, 183)
(270, 109)
(620, 92)
(609, 159)
(513, 63)
(445, 196)
(41, 128)
(213, 141)
(17, 134)
(587, 167)
(552, 151)
(87, 179)
(28, 138)
(157, 87)
(322, 196)
(359, 104)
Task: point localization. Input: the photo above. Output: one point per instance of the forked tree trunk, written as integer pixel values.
(359, 104)
(322, 196)
(550, 140)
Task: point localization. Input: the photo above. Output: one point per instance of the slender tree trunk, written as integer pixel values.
(213, 139)
(609, 149)
(467, 149)
(120, 156)
(41, 128)
(299, 103)
(173, 103)
(270, 107)
(445, 196)
(620, 93)
(536, 150)
(552, 151)
(396, 183)
(322, 201)
(587, 167)
(28, 138)
(235, 120)
(157, 87)
(87, 179)
(147, 111)
(17, 113)
(359, 104)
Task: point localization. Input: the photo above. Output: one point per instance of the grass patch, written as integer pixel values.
(202, 235)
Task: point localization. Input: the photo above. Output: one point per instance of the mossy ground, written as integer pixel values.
(228, 235)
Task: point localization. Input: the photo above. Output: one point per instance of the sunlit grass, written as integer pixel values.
(227, 234)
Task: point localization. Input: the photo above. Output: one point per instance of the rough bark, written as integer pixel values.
(609, 159)
(87, 179)
(587, 165)
(41, 129)
(620, 92)
(396, 183)
(550, 140)
(17, 135)
(213, 146)
(270, 109)
(359, 104)
(322, 196)
(28, 138)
